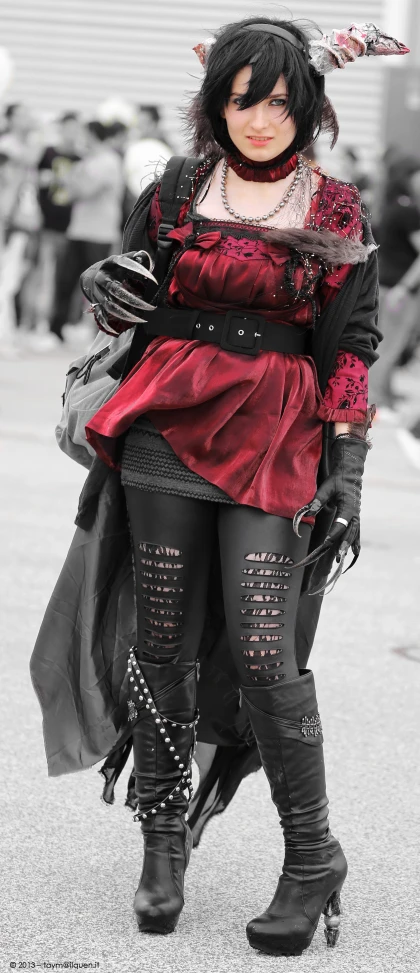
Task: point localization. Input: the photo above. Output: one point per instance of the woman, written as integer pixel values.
(221, 422)
(399, 270)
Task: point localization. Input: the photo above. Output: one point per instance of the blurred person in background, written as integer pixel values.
(398, 233)
(6, 179)
(148, 148)
(95, 189)
(20, 218)
(55, 204)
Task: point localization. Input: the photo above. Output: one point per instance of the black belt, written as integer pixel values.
(235, 331)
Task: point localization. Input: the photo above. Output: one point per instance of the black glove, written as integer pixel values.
(342, 489)
(112, 287)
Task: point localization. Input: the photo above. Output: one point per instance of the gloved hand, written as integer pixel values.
(343, 488)
(112, 287)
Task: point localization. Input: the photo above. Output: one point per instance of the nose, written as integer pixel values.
(260, 117)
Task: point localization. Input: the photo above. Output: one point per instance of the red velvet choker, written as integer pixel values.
(270, 171)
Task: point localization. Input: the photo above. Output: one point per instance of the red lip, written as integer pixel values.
(258, 141)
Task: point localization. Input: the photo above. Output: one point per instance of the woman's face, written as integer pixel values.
(263, 131)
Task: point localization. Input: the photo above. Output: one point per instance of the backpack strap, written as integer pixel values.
(175, 189)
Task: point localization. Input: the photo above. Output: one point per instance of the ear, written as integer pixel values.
(223, 113)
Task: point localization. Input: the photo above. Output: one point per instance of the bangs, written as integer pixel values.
(275, 58)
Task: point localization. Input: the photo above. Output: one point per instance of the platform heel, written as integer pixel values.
(332, 918)
(287, 728)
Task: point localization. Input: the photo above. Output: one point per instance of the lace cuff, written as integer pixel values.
(346, 395)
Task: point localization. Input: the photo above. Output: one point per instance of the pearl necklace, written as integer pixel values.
(260, 219)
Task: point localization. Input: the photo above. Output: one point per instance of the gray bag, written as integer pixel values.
(88, 386)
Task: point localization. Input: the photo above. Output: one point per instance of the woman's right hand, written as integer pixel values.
(112, 286)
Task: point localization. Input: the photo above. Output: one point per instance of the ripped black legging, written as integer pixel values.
(173, 539)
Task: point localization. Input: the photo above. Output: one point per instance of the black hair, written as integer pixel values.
(100, 131)
(151, 110)
(12, 109)
(68, 116)
(116, 128)
(270, 57)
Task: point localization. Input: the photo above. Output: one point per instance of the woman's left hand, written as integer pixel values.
(343, 488)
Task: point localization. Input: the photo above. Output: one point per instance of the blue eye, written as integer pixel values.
(278, 102)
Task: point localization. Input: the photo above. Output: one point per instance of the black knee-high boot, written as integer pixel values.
(287, 728)
(163, 745)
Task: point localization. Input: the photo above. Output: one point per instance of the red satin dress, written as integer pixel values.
(250, 425)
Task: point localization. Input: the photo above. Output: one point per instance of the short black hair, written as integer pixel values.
(100, 131)
(12, 109)
(68, 116)
(151, 110)
(270, 57)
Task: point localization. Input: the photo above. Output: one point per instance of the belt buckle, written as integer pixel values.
(255, 330)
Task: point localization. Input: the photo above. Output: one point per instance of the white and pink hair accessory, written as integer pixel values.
(333, 50)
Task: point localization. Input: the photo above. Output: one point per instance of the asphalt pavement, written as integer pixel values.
(71, 865)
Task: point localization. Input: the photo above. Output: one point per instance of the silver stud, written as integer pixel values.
(141, 697)
(177, 789)
(167, 739)
(136, 688)
(181, 765)
(174, 724)
(131, 678)
(176, 755)
(147, 706)
(153, 711)
(172, 749)
(158, 720)
(184, 726)
(144, 815)
(161, 730)
(142, 681)
(171, 797)
(153, 811)
(163, 805)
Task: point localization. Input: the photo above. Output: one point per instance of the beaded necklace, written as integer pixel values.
(256, 220)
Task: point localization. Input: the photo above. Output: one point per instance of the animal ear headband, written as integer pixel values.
(330, 51)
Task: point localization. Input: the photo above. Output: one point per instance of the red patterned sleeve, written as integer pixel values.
(346, 395)
(337, 207)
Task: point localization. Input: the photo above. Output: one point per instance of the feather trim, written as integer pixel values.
(329, 247)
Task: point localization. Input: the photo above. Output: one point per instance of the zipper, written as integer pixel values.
(85, 370)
